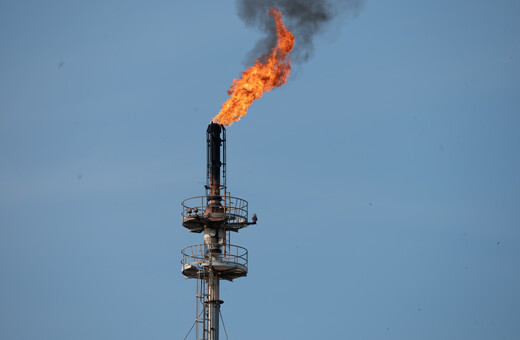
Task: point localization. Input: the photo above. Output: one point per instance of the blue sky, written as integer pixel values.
(385, 173)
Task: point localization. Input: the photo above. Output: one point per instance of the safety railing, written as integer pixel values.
(235, 209)
(199, 254)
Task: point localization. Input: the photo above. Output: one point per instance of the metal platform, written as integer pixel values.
(197, 261)
(195, 213)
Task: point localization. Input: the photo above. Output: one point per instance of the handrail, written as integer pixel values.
(198, 254)
(235, 208)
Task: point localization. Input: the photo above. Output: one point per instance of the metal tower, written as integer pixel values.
(216, 214)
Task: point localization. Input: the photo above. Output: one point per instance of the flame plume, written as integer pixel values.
(269, 71)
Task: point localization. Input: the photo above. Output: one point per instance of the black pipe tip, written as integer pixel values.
(214, 128)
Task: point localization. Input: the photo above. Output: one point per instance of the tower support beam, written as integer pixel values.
(213, 305)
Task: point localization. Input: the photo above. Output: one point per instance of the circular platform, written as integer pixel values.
(195, 214)
(230, 264)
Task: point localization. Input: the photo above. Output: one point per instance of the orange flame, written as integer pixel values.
(269, 71)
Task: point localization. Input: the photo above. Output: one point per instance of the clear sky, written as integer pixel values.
(385, 173)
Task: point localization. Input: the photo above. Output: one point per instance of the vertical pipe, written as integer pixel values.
(213, 305)
(214, 144)
(214, 235)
